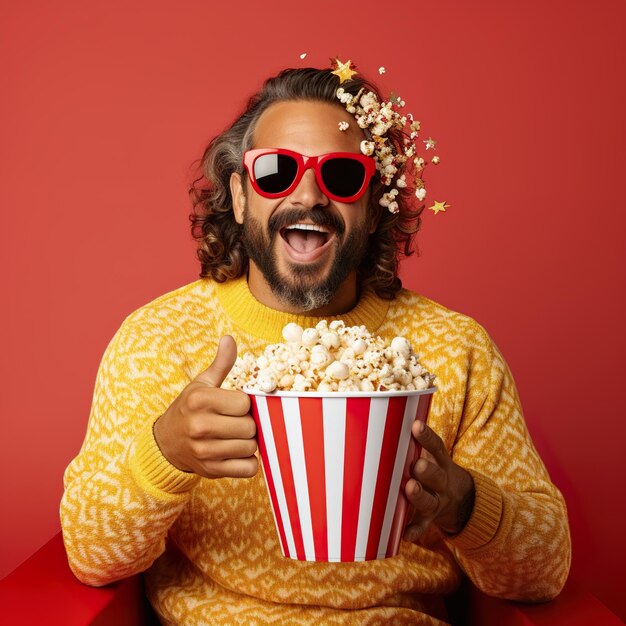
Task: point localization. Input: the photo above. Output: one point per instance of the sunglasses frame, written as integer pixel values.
(309, 162)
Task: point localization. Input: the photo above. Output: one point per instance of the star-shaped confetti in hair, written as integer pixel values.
(439, 206)
(343, 70)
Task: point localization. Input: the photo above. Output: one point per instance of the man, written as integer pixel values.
(296, 224)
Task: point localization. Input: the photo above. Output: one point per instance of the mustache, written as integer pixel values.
(319, 217)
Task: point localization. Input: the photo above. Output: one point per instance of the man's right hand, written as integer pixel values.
(208, 430)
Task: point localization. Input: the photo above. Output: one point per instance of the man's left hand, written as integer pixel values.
(440, 491)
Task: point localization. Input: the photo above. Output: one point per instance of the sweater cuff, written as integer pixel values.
(486, 515)
(154, 471)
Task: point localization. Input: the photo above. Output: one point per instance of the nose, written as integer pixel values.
(308, 194)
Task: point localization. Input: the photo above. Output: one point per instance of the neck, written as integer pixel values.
(344, 299)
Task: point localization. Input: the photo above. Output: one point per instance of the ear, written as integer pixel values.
(238, 195)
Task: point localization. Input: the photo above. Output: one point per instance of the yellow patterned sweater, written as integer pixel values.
(210, 548)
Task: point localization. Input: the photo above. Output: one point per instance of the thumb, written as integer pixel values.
(223, 362)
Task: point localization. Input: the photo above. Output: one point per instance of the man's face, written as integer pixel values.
(304, 268)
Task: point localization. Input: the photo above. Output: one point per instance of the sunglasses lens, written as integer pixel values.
(274, 172)
(343, 177)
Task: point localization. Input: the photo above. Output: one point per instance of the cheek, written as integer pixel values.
(357, 218)
(258, 209)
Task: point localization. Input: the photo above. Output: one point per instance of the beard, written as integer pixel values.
(302, 287)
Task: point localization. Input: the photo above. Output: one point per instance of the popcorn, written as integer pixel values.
(331, 357)
(320, 357)
(292, 332)
(338, 370)
(330, 340)
(401, 346)
(267, 382)
(367, 147)
(310, 336)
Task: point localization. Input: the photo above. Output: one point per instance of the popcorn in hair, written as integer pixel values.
(377, 119)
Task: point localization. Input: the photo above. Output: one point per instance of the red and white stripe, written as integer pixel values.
(335, 468)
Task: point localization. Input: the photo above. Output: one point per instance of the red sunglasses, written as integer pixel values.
(275, 173)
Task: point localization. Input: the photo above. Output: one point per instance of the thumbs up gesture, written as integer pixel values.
(208, 430)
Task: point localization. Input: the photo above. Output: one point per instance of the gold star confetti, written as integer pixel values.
(430, 143)
(343, 70)
(439, 206)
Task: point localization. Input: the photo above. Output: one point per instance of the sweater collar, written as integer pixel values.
(265, 323)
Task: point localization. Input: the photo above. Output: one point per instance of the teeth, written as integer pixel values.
(305, 227)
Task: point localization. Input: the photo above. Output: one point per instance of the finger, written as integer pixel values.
(223, 449)
(425, 503)
(201, 398)
(221, 427)
(431, 442)
(416, 529)
(232, 468)
(430, 475)
(224, 360)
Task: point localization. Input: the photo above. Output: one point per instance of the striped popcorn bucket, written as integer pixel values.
(335, 466)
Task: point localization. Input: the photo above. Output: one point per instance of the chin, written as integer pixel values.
(309, 273)
(304, 287)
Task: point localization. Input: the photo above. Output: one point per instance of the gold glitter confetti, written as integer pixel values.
(439, 206)
(430, 143)
(343, 70)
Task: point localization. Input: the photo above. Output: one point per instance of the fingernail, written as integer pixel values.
(420, 427)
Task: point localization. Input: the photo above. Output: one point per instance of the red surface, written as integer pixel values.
(43, 590)
(105, 105)
(574, 607)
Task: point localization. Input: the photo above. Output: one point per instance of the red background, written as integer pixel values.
(104, 106)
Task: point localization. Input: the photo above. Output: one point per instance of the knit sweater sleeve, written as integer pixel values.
(516, 544)
(121, 495)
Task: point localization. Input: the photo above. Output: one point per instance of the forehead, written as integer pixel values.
(308, 127)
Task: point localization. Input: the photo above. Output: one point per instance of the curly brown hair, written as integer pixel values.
(220, 248)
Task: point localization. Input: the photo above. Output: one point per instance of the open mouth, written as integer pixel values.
(306, 242)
